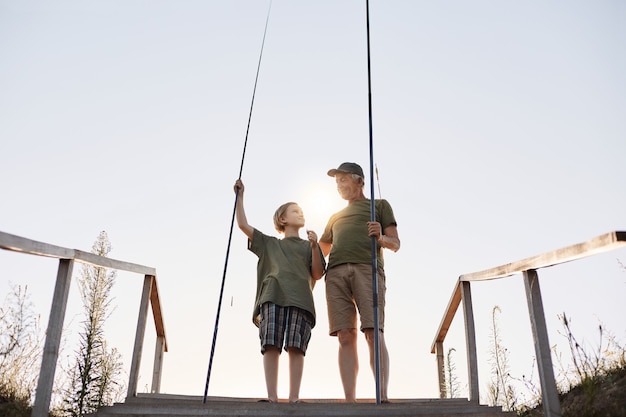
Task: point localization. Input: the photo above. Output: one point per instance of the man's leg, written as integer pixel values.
(384, 361)
(296, 366)
(270, 365)
(348, 362)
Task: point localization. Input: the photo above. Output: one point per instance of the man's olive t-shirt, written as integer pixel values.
(347, 232)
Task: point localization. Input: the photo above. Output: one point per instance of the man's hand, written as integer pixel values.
(374, 229)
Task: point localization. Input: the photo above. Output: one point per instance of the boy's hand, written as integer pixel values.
(238, 186)
(312, 237)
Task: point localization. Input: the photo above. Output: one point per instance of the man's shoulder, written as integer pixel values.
(381, 202)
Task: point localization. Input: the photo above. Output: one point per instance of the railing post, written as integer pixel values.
(441, 376)
(550, 396)
(470, 340)
(158, 364)
(139, 336)
(53, 339)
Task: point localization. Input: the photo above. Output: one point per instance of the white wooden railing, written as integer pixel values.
(67, 257)
(461, 294)
(528, 267)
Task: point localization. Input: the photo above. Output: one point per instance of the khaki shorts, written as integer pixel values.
(348, 289)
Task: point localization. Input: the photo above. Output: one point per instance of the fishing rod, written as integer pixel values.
(232, 221)
(380, 195)
(373, 213)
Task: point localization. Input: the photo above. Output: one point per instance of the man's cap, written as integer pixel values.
(348, 168)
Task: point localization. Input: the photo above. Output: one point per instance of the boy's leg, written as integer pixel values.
(298, 335)
(271, 333)
(270, 365)
(296, 367)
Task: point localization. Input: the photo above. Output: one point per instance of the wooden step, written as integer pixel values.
(160, 405)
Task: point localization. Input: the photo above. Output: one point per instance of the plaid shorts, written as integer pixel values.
(291, 325)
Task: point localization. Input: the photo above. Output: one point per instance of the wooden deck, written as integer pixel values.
(159, 405)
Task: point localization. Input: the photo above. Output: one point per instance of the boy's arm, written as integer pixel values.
(317, 263)
(240, 212)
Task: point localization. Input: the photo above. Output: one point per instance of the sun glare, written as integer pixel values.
(319, 201)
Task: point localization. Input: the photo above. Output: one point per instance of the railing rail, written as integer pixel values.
(67, 257)
(528, 267)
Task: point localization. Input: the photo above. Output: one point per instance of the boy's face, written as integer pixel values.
(294, 216)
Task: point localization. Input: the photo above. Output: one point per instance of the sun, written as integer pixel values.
(319, 200)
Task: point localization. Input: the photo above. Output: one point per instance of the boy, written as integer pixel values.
(283, 309)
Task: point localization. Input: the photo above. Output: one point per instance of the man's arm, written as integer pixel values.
(317, 268)
(325, 246)
(389, 239)
(317, 263)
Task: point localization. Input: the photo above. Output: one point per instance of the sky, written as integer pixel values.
(498, 132)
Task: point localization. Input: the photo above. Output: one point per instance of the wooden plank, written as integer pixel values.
(157, 368)
(441, 370)
(549, 393)
(96, 260)
(599, 244)
(53, 339)
(33, 247)
(470, 341)
(444, 326)
(139, 336)
(185, 406)
(157, 313)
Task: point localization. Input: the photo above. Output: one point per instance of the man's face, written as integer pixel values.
(348, 187)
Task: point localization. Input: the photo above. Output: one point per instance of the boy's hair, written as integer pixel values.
(280, 212)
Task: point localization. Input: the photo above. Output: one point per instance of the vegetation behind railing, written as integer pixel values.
(528, 267)
(67, 257)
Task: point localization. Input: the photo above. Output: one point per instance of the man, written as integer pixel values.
(348, 240)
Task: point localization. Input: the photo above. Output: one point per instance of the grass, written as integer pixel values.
(594, 385)
(604, 396)
(12, 406)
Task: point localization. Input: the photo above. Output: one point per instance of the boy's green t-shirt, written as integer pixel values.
(283, 273)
